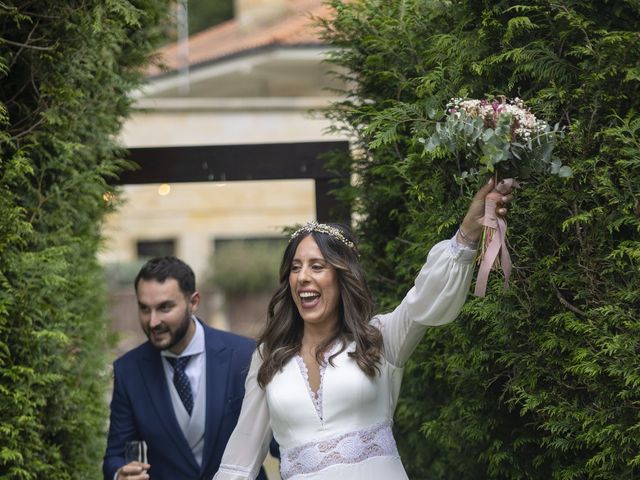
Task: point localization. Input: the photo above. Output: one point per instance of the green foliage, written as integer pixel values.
(121, 275)
(540, 381)
(66, 69)
(246, 266)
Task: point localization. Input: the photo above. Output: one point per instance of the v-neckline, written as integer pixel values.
(315, 397)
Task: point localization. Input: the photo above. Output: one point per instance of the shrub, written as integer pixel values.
(246, 266)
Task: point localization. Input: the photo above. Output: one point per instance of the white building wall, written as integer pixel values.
(171, 128)
(194, 214)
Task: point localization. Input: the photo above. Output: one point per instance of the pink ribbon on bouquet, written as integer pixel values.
(495, 234)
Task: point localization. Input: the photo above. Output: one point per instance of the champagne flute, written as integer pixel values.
(135, 451)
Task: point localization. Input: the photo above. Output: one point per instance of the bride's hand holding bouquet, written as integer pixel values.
(503, 139)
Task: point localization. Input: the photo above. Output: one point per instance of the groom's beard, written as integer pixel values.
(174, 337)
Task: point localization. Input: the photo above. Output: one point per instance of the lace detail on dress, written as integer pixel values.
(348, 448)
(316, 398)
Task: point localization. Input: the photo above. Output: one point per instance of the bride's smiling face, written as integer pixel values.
(314, 285)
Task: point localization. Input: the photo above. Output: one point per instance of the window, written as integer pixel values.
(146, 249)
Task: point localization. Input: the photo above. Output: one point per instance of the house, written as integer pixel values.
(230, 103)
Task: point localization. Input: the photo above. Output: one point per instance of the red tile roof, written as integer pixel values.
(296, 27)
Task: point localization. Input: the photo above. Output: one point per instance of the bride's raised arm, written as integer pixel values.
(441, 287)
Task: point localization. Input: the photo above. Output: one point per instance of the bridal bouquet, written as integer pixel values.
(500, 136)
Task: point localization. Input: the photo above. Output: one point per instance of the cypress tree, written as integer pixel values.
(540, 381)
(66, 69)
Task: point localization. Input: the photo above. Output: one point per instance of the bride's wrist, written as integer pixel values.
(468, 237)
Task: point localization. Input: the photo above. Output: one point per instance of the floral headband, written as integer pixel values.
(324, 228)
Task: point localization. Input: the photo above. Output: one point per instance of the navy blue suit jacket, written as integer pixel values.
(141, 408)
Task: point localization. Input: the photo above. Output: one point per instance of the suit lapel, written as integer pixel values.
(154, 378)
(218, 361)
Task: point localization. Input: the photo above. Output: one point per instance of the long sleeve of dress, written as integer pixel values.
(436, 298)
(249, 442)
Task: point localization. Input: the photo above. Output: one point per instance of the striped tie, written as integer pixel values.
(181, 382)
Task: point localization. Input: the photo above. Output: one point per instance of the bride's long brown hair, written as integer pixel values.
(282, 336)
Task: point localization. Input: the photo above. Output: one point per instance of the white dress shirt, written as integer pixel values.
(195, 365)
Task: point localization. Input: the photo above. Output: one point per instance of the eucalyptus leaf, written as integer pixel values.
(565, 172)
(432, 144)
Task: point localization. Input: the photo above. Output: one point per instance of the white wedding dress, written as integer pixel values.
(345, 431)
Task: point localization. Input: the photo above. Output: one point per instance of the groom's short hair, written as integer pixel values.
(161, 268)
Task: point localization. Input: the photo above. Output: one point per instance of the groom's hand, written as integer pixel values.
(133, 471)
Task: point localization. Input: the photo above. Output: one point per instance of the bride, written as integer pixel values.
(325, 378)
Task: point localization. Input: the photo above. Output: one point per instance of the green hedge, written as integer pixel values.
(541, 381)
(65, 72)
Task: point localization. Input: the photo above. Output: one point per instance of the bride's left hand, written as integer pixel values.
(472, 223)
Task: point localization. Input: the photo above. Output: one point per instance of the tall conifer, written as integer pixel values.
(540, 381)
(66, 69)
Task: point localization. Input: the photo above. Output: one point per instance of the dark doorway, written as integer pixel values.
(225, 163)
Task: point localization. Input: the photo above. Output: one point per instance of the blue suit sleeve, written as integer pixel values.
(122, 427)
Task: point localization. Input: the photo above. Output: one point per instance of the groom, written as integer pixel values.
(181, 391)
